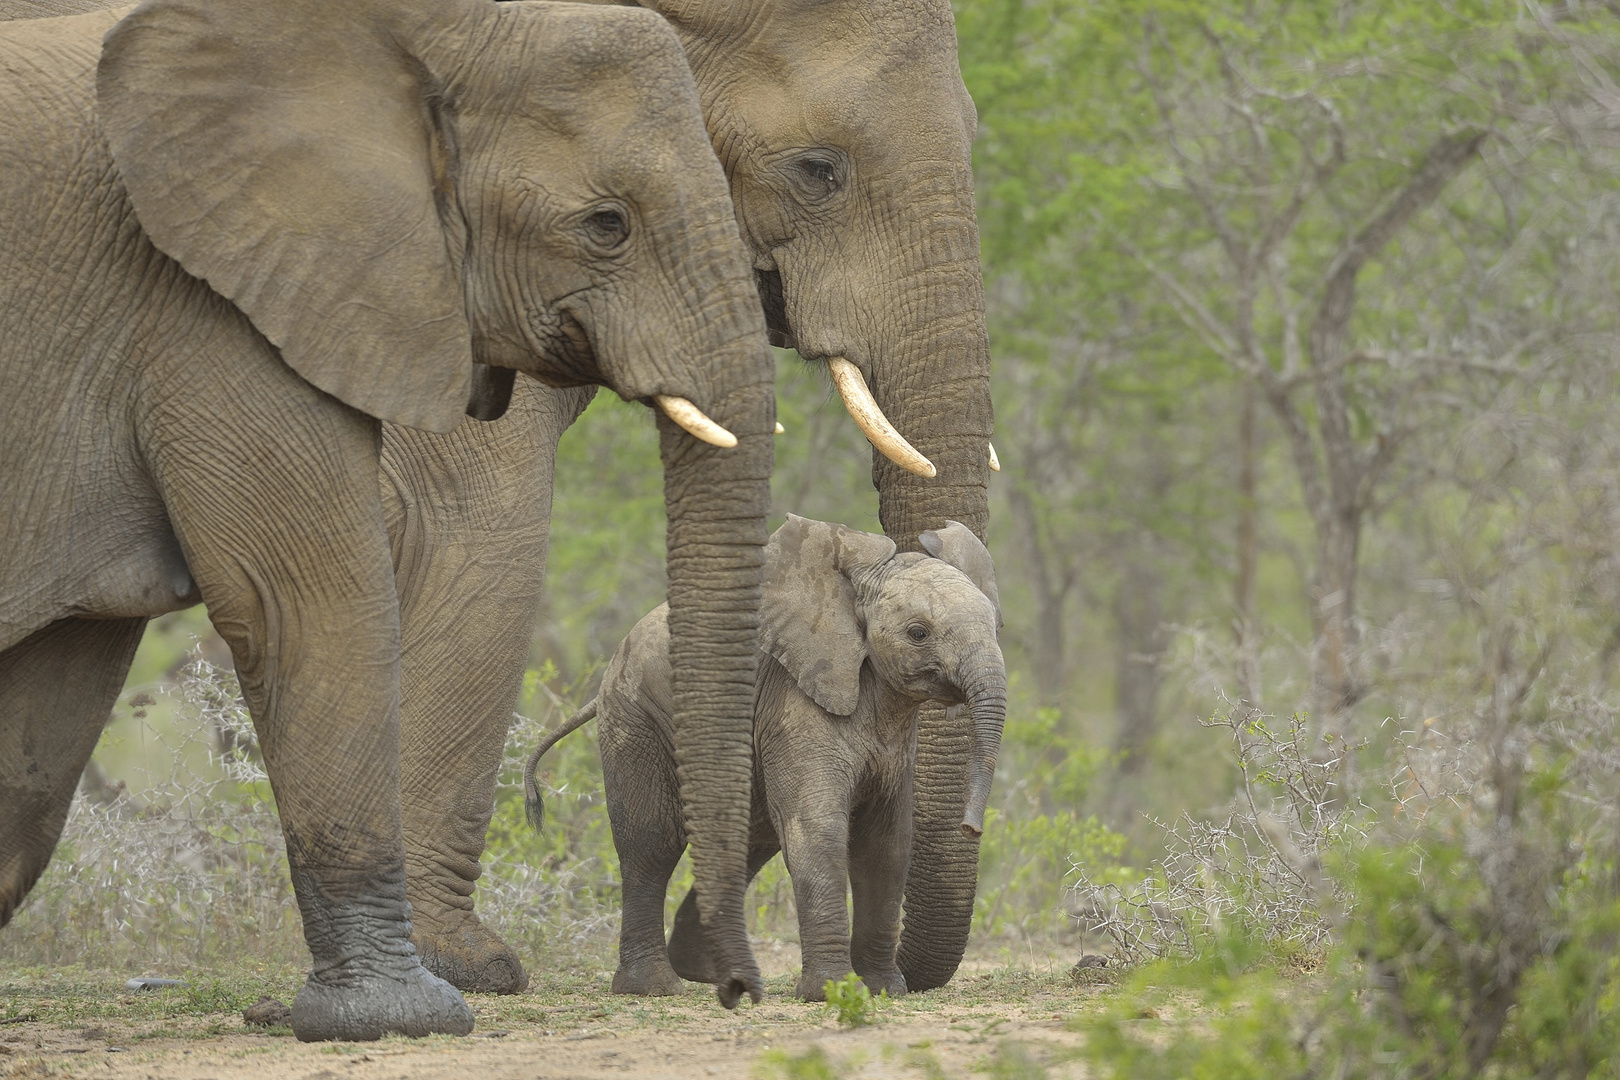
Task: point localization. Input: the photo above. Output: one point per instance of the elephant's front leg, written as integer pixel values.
(815, 844)
(280, 521)
(879, 850)
(468, 516)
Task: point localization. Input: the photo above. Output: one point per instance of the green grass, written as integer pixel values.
(77, 997)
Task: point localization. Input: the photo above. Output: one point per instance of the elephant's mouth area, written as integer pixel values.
(775, 305)
(566, 353)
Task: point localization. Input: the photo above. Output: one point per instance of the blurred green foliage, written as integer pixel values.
(851, 1003)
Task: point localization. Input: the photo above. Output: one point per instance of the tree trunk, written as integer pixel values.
(1048, 650)
(1139, 643)
(1248, 555)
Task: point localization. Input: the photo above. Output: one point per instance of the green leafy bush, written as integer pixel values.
(850, 1000)
(1035, 834)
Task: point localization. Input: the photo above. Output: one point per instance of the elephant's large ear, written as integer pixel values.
(957, 545)
(808, 620)
(296, 155)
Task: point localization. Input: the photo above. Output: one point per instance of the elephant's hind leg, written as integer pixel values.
(56, 689)
(689, 951)
(644, 807)
(643, 965)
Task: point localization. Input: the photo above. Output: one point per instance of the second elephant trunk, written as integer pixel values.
(717, 500)
(932, 380)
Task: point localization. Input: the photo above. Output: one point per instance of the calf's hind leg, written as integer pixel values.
(644, 808)
(56, 689)
(689, 952)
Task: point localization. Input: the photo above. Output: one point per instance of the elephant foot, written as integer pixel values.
(359, 1006)
(886, 979)
(653, 979)
(693, 958)
(813, 982)
(471, 958)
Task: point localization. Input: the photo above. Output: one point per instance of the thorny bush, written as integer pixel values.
(1470, 927)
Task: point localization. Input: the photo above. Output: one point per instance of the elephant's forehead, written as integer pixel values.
(581, 72)
(936, 589)
(839, 68)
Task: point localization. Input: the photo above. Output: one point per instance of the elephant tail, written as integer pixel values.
(533, 809)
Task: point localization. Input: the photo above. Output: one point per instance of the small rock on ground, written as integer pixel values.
(268, 1013)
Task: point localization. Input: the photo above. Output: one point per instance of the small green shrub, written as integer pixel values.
(812, 1064)
(852, 1002)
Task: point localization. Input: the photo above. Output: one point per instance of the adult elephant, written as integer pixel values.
(237, 235)
(846, 132)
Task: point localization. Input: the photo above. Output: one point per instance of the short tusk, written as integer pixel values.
(870, 419)
(780, 430)
(995, 462)
(692, 420)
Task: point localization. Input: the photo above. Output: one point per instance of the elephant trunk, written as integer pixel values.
(931, 377)
(717, 499)
(932, 380)
(987, 703)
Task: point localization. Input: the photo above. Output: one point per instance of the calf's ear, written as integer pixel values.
(808, 619)
(957, 545)
(299, 156)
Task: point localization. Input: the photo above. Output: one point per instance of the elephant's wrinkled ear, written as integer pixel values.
(808, 620)
(957, 545)
(296, 156)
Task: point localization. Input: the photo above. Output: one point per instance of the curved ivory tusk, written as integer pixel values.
(863, 408)
(691, 418)
(780, 430)
(995, 462)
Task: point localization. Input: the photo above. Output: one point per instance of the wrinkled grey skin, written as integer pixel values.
(237, 237)
(854, 637)
(873, 257)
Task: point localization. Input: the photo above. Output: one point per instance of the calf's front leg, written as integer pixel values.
(879, 850)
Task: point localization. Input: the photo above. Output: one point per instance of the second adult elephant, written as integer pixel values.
(236, 236)
(846, 133)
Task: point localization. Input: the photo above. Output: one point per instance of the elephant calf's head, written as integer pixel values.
(836, 599)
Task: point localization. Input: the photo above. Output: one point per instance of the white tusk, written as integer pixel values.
(691, 418)
(995, 462)
(863, 408)
(780, 430)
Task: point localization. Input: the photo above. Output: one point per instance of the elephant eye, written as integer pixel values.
(917, 632)
(607, 228)
(817, 177)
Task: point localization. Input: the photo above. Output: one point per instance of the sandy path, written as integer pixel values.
(1009, 1017)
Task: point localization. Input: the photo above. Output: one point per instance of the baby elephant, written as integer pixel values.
(853, 638)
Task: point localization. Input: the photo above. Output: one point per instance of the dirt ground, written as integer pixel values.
(1005, 1019)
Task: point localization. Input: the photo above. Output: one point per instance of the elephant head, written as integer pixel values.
(836, 599)
(846, 131)
(396, 193)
